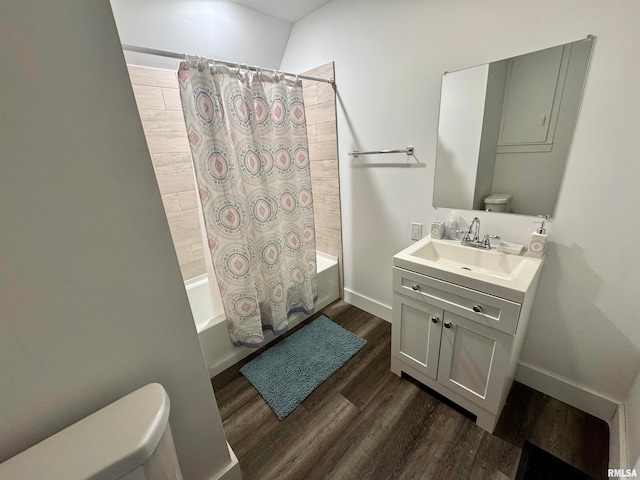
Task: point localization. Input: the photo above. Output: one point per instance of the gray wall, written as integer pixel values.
(92, 301)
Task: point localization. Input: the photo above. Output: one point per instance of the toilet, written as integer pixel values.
(498, 202)
(129, 439)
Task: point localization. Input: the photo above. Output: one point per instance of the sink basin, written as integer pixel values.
(456, 256)
(490, 271)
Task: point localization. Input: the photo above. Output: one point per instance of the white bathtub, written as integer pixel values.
(219, 352)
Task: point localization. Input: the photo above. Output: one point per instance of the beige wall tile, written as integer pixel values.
(166, 163)
(196, 250)
(153, 77)
(172, 98)
(193, 269)
(332, 221)
(189, 236)
(326, 186)
(323, 71)
(320, 215)
(148, 97)
(330, 168)
(162, 121)
(318, 200)
(185, 254)
(188, 200)
(176, 182)
(331, 202)
(332, 235)
(167, 142)
(311, 134)
(326, 132)
(326, 93)
(323, 151)
(184, 220)
(320, 113)
(334, 249)
(322, 244)
(171, 203)
(321, 117)
(317, 171)
(310, 93)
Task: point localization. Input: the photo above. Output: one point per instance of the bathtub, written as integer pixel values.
(208, 315)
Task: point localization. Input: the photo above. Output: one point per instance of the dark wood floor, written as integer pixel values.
(364, 422)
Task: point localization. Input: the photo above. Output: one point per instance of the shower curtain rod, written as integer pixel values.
(181, 56)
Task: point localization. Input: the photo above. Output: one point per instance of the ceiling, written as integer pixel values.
(289, 10)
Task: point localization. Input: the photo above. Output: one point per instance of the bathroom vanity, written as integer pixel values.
(460, 317)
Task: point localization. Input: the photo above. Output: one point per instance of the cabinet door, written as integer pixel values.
(531, 87)
(415, 336)
(474, 360)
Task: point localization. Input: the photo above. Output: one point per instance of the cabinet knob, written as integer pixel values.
(435, 319)
(447, 324)
(415, 286)
(477, 308)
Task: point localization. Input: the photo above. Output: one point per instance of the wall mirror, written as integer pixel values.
(505, 129)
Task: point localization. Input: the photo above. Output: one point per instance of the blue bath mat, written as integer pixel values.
(288, 372)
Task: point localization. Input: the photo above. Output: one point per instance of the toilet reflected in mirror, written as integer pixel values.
(498, 202)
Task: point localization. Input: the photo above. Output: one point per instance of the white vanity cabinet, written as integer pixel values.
(460, 342)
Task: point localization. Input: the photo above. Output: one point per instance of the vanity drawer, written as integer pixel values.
(494, 312)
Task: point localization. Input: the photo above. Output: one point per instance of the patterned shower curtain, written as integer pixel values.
(248, 138)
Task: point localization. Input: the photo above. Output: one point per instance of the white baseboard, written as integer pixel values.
(566, 391)
(232, 472)
(368, 305)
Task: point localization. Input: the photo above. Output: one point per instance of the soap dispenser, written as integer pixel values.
(538, 242)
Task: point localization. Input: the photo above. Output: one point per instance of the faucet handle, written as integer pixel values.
(486, 240)
(466, 235)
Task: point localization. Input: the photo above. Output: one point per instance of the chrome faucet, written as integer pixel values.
(476, 231)
(471, 236)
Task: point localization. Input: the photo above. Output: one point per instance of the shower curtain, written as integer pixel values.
(248, 138)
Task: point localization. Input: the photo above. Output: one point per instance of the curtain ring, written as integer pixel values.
(245, 77)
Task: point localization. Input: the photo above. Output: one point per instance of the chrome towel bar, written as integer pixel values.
(409, 151)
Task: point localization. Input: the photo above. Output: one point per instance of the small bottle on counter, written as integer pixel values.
(538, 241)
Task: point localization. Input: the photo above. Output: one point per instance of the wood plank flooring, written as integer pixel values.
(364, 422)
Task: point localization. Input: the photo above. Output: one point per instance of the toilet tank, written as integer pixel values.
(129, 439)
(498, 202)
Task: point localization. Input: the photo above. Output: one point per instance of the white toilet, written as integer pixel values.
(498, 202)
(129, 439)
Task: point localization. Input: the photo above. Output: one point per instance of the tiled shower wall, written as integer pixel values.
(320, 111)
(158, 100)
